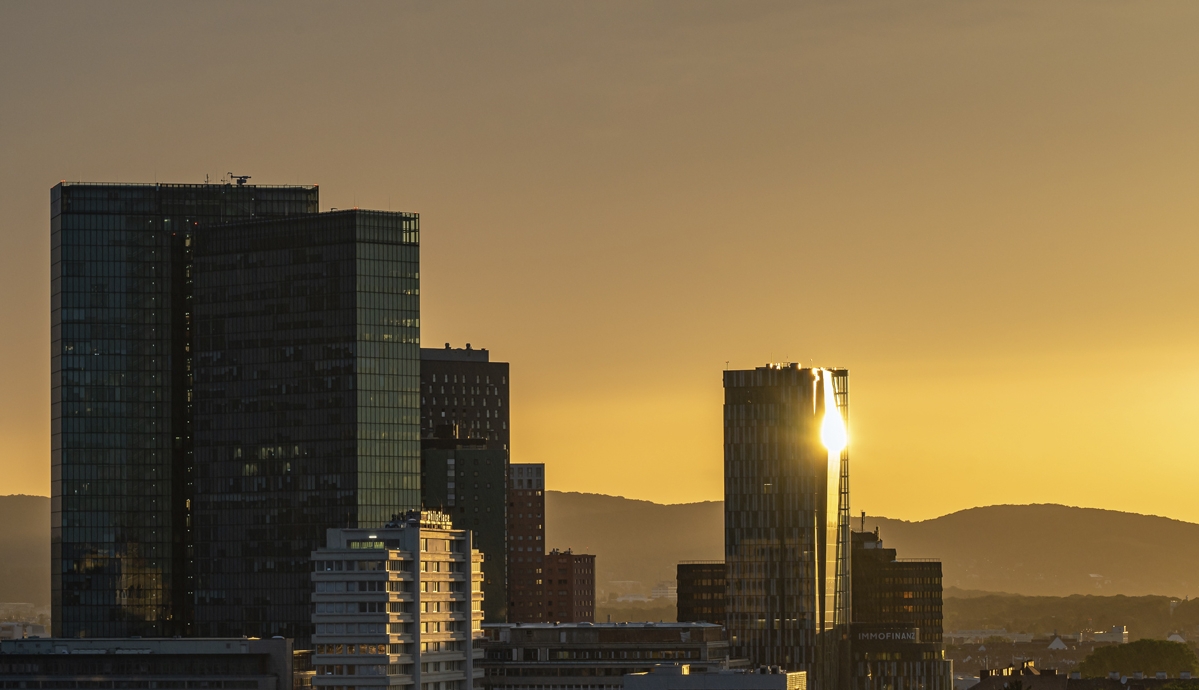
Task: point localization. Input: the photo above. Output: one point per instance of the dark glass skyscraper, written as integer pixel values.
(121, 393)
(307, 404)
(786, 486)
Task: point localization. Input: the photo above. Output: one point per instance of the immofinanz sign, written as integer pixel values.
(887, 635)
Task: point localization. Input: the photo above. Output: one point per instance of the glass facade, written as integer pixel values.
(782, 491)
(121, 447)
(307, 404)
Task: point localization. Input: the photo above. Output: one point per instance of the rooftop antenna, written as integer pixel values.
(241, 179)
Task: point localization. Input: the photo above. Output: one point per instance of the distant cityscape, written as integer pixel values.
(261, 479)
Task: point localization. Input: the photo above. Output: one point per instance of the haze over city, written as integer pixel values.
(985, 211)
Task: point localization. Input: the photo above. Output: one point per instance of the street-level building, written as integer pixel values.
(143, 662)
(594, 656)
(400, 605)
(680, 677)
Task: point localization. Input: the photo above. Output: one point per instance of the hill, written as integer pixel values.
(1033, 550)
(1054, 550)
(634, 541)
(1037, 550)
(25, 549)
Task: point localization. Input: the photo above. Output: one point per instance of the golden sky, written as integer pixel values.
(987, 211)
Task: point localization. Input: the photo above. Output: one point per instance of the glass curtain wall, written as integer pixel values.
(121, 446)
(307, 378)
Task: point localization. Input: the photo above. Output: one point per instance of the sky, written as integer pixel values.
(986, 211)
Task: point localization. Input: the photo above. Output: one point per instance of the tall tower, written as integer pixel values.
(121, 417)
(307, 404)
(787, 517)
(464, 455)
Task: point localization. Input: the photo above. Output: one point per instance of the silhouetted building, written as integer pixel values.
(889, 590)
(307, 369)
(594, 656)
(463, 395)
(680, 677)
(1027, 675)
(398, 606)
(121, 446)
(139, 662)
(464, 441)
(526, 543)
(569, 587)
(897, 618)
(701, 592)
(786, 499)
(467, 479)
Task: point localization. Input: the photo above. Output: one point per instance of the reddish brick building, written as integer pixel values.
(569, 587)
(526, 543)
(558, 587)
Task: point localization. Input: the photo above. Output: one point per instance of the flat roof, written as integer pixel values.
(560, 626)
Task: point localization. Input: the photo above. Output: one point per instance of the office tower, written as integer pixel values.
(399, 605)
(464, 429)
(526, 543)
(463, 395)
(595, 656)
(121, 434)
(307, 369)
(786, 517)
(701, 590)
(569, 587)
(467, 479)
(897, 620)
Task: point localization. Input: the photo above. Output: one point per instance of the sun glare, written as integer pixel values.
(832, 429)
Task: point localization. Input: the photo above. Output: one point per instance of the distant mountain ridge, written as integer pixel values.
(1032, 550)
(1054, 550)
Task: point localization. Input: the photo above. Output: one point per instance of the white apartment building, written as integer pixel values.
(398, 606)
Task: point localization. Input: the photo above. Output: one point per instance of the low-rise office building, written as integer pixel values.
(896, 605)
(398, 605)
(132, 662)
(680, 677)
(594, 656)
(701, 591)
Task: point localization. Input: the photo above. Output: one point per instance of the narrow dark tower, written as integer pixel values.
(787, 518)
(464, 456)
